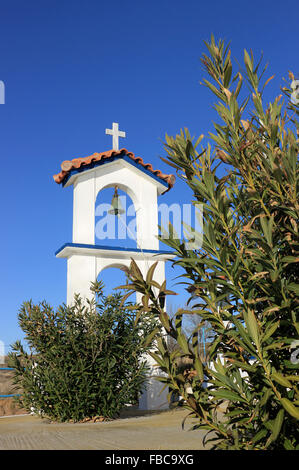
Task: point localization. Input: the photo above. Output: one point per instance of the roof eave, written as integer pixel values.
(68, 174)
(70, 178)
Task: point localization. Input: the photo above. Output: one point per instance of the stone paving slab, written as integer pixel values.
(161, 431)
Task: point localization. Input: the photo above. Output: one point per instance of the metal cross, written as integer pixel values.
(115, 135)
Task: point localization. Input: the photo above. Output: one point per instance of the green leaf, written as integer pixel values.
(293, 287)
(267, 227)
(244, 335)
(259, 436)
(150, 337)
(199, 368)
(135, 270)
(253, 327)
(150, 272)
(288, 445)
(269, 332)
(158, 359)
(266, 396)
(290, 408)
(247, 61)
(182, 341)
(227, 395)
(277, 425)
(214, 90)
(227, 75)
(290, 259)
(279, 378)
(165, 320)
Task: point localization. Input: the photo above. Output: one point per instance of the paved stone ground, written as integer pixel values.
(148, 432)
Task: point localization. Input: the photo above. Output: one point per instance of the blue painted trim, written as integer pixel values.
(7, 396)
(125, 157)
(148, 172)
(6, 368)
(112, 248)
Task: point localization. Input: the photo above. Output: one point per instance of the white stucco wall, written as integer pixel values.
(84, 264)
(142, 189)
(84, 268)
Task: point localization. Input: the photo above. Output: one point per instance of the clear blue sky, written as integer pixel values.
(73, 67)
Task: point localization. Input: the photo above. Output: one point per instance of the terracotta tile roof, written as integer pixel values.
(77, 163)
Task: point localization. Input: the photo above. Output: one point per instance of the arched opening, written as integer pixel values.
(115, 230)
(112, 277)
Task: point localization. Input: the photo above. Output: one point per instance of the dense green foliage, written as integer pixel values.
(243, 278)
(84, 361)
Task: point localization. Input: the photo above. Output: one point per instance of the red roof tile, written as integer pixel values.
(68, 165)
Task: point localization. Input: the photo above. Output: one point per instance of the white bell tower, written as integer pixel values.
(85, 259)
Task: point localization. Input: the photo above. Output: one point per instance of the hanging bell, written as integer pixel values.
(116, 207)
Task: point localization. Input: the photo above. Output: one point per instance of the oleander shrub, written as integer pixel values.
(243, 277)
(84, 360)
